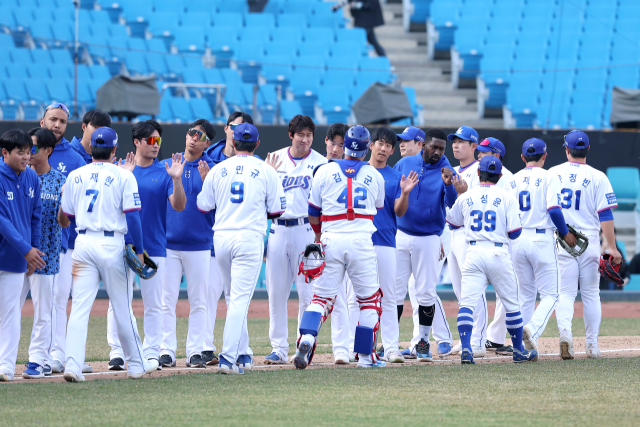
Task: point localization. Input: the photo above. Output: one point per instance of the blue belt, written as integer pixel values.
(106, 233)
(498, 245)
(540, 231)
(292, 222)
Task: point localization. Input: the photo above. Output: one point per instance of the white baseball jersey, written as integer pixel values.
(296, 177)
(98, 195)
(536, 191)
(505, 179)
(469, 173)
(487, 212)
(584, 193)
(242, 190)
(329, 193)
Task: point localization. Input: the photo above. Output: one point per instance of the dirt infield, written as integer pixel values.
(260, 308)
(611, 347)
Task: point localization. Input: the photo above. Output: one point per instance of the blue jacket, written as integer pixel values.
(20, 217)
(64, 159)
(76, 144)
(190, 230)
(214, 151)
(426, 214)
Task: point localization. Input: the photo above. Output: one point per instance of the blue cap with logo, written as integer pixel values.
(466, 133)
(490, 164)
(492, 144)
(357, 141)
(411, 133)
(538, 145)
(246, 132)
(576, 139)
(104, 137)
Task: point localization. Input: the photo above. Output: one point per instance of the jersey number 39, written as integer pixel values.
(489, 219)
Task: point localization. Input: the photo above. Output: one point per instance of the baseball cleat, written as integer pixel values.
(395, 357)
(505, 350)
(72, 377)
(47, 370)
(196, 361)
(524, 356)
(86, 369)
(301, 359)
(116, 364)
(408, 354)
(341, 357)
(527, 338)
(566, 347)
(210, 357)
(444, 349)
(245, 362)
(159, 368)
(57, 367)
(5, 377)
(423, 351)
(457, 349)
(592, 350)
(33, 371)
(492, 346)
(466, 357)
(226, 367)
(274, 359)
(151, 366)
(378, 364)
(478, 351)
(167, 362)
(353, 357)
(380, 351)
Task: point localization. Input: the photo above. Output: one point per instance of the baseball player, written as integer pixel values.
(345, 197)
(290, 233)
(244, 191)
(411, 141)
(497, 329)
(489, 215)
(41, 281)
(335, 142)
(20, 232)
(534, 254)
(223, 149)
(418, 244)
(157, 183)
(189, 239)
(103, 203)
(586, 199)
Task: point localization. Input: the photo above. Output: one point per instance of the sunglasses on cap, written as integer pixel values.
(201, 135)
(486, 143)
(57, 105)
(152, 140)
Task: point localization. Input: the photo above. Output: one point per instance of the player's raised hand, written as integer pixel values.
(459, 184)
(177, 166)
(203, 168)
(406, 185)
(447, 175)
(129, 162)
(272, 160)
(34, 259)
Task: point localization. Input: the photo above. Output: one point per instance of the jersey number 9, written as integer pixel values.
(237, 192)
(489, 219)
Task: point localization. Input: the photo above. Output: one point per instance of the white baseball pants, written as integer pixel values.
(343, 312)
(95, 258)
(214, 288)
(239, 258)
(10, 314)
(582, 270)
(61, 290)
(151, 290)
(41, 286)
(497, 329)
(195, 266)
(284, 247)
(535, 260)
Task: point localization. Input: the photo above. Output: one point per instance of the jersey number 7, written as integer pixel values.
(93, 193)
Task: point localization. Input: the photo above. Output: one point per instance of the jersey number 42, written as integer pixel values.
(356, 200)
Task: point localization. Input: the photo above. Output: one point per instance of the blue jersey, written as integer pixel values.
(385, 219)
(65, 159)
(216, 154)
(426, 213)
(77, 146)
(154, 186)
(20, 221)
(190, 230)
(51, 196)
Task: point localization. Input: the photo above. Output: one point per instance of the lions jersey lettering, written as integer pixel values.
(291, 182)
(536, 191)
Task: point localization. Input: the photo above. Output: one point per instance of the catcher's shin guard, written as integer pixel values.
(366, 337)
(312, 321)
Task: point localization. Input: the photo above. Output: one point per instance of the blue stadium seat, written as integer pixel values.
(37, 91)
(240, 7)
(213, 75)
(257, 35)
(163, 24)
(292, 20)
(286, 34)
(289, 109)
(58, 91)
(277, 69)
(200, 108)
(174, 6)
(38, 72)
(175, 64)
(21, 56)
(156, 64)
(205, 6)
(190, 39)
(135, 63)
(225, 19)
(288, 48)
(15, 89)
(42, 56)
(16, 71)
(626, 184)
(319, 35)
(334, 77)
(626, 77)
(259, 20)
(200, 19)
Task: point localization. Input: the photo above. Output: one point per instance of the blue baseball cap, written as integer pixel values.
(411, 133)
(466, 133)
(537, 144)
(492, 144)
(490, 164)
(576, 139)
(246, 132)
(104, 137)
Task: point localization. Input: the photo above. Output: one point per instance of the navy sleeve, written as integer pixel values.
(36, 217)
(135, 230)
(450, 195)
(513, 235)
(558, 220)
(7, 229)
(605, 215)
(313, 211)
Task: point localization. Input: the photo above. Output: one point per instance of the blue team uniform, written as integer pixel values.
(51, 242)
(215, 153)
(385, 220)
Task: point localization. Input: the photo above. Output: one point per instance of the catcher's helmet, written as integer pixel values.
(311, 262)
(357, 141)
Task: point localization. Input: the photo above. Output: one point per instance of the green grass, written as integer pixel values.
(97, 348)
(577, 393)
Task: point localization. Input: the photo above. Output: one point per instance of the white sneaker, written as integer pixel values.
(72, 377)
(593, 352)
(457, 349)
(527, 337)
(5, 377)
(56, 367)
(478, 351)
(352, 357)
(566, 346)
(341, 357)
(394, 356)
(86, 369)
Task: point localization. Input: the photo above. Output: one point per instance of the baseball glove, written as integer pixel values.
(582, 242)
(146, 270)
(610, 271)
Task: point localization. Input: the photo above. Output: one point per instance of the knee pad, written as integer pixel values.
(374, 302)
(363, 340)
(327, 303)
(310, 323)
